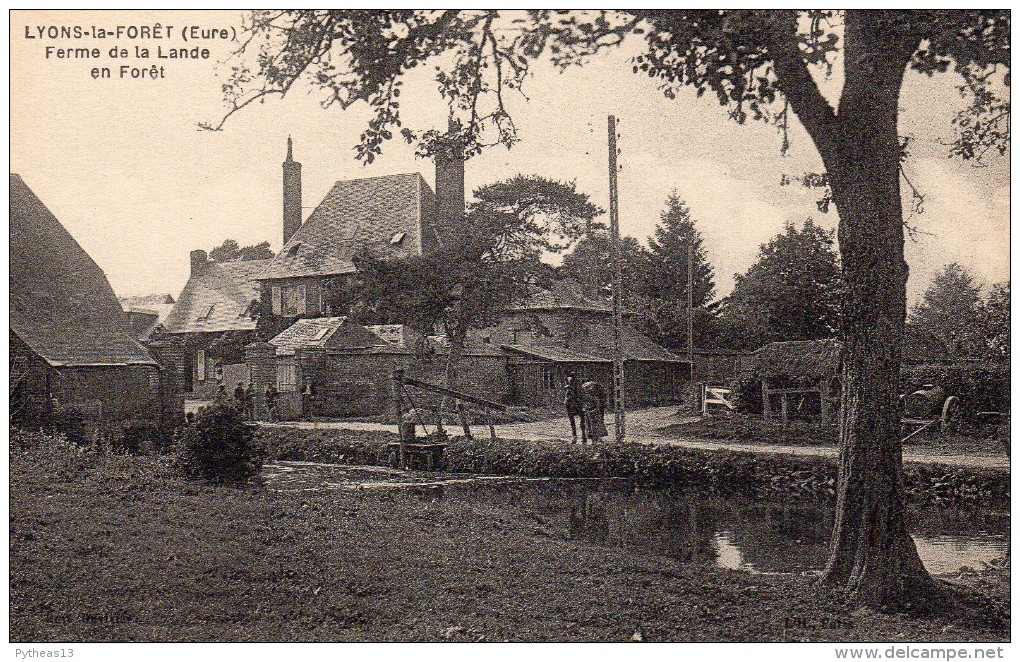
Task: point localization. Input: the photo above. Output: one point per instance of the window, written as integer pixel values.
(277, 300)
(289, 300)
(548, 378)
(286, 377)
(200, 365)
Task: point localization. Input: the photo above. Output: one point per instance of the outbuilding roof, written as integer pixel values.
(811, 359)
(62, 305)
(326, 332)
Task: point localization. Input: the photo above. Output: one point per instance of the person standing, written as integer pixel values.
(249, 403)
(239, 397)
(594, 401)
(272, 396)
(308, 399)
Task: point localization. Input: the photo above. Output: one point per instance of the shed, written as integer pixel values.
(793, 372)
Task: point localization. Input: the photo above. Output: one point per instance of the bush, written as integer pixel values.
(219, 447)
(137, 437)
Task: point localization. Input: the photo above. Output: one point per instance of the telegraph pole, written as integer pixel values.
(690, 307)
(614, 252)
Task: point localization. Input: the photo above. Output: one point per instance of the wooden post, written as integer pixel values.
(398, 404)
(704, 399)
(766, 406)
(492, 428)
(784, 407)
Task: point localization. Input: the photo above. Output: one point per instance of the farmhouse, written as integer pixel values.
(271, 321)
(205, 333)
(395, 215)
(561, 331)
(72, 348)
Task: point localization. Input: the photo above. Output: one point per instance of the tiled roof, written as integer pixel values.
(399, 335)
(555, 353)
(328, 332)
(217, 298)
(559, 334)
(145, 301)
(62, 306)
(387, 213)
(563, 294)
(155, 315)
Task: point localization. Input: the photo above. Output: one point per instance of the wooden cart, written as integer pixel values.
(928, 407)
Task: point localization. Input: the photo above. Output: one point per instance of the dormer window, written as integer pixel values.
(397, 238)
(294, 249)
(204, 317)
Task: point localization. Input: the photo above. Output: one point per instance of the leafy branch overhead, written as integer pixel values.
(756, 63)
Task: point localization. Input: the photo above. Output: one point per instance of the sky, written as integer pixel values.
(123, 165)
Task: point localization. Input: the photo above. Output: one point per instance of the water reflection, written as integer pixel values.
(757, 535)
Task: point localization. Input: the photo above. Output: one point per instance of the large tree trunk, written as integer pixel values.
(872, 558)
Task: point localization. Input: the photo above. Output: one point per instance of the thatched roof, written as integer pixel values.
(811, 359)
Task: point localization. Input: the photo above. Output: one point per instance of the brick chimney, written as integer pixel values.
(450, 184)
(199, 259)
(291, 193)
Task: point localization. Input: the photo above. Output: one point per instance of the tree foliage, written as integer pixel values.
(476, 274)
(230, 251)
(995, 323)
(588, 264)
(946, 323)
(676, 238)
(790, 293)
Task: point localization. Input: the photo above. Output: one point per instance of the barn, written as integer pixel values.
(72, 348)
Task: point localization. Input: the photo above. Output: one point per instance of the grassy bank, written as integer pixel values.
(988, 440)
(659, 466)
(116, 549)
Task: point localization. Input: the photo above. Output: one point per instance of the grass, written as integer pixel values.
(106, 548)
(754, 430)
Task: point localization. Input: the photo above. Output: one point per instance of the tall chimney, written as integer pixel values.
(291, 194)
(199, 259)
(450, 183)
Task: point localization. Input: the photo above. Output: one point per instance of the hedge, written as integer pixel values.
(658, 466)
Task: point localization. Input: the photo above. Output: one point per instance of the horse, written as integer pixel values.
(575, 408)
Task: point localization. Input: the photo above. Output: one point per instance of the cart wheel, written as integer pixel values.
(952, 411)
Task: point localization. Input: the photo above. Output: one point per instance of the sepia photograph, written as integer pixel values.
(502, 326)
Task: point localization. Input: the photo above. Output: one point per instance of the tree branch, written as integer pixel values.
(794, 79)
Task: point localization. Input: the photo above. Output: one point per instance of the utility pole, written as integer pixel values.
(614, 252)
(690, 307)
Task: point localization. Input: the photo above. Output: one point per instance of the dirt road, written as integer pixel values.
(644, 425)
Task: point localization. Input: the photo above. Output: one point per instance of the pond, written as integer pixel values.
(737, 532)
(764, 535)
